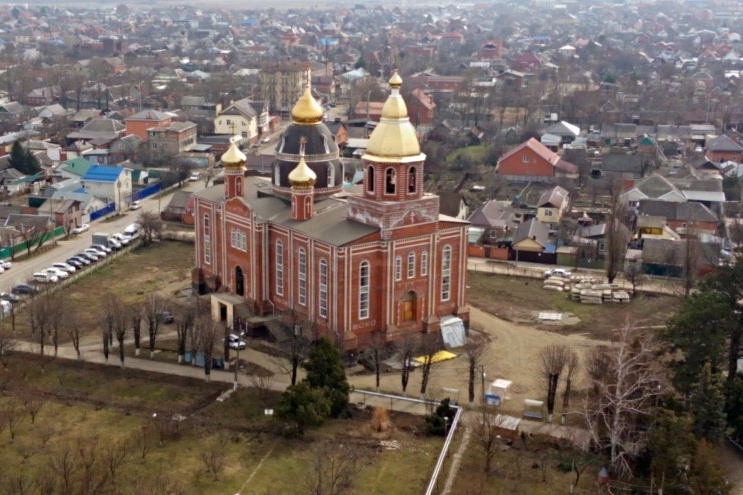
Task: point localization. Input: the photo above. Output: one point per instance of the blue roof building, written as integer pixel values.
(110, 184)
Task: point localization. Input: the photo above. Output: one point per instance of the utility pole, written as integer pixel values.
(484, 403)
(237, 363)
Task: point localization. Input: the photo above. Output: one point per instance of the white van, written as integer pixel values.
(133, 231)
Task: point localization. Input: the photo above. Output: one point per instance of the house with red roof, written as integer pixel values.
(533, 161)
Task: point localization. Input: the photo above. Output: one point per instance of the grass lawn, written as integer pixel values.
(475, 153)
(88, 413)
(516, 299)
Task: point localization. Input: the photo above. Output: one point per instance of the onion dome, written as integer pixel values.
(307, 111)
(233, 157)
(394, 138)
(302, 177)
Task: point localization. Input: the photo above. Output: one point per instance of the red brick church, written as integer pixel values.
(377, 259)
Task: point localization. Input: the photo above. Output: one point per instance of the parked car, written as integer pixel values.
(95, 252)
(165, 317)
(76, 262)
(65, 267)
(194, 177)
(89, 256)
(10, 297)
(121, 239)
(82, 259)
(6, 307)
(5, 264)
(102, 248)
(135, 205)
(24, 289)
(60, 274)
(265, 140)
(44, 278)
(82, 228)
(558, 272)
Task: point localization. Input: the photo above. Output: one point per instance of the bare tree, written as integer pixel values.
(63, 462)
(334, 469)
(633, 273)
(42, 310)
(154, 306)
(184, 320)
(114, 455)
(214, 456)
(616, 238)
(151, 224)
(11, 416)
(32, 407)
(571, 364)
(293, 346)
(552, 360)
(624, 382)
(263, 384)
(112, 307)
(375, 352)
(7, 345)
(121, 325)
(135, 321)
(406, 348)
(94, 474)
(207, 332)
(473, 350)
(430, 345)
(106, 334)
(73, 329)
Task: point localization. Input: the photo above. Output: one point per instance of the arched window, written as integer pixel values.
(411, 265)
(323, 292)
(331, 175)
(446, 273)
(302, 277)
(424, 263)
(364, 290)
(370, 179)
(412, 180)
(390, 181)
(207, 241)
(279, 268)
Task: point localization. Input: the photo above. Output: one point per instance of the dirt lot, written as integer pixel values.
(520, 300)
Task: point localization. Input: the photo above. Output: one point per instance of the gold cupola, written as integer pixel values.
(302, 177)
(233, 157)
(307, 111)
(394, 139)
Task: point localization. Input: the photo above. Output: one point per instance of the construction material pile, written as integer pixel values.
(587, 290)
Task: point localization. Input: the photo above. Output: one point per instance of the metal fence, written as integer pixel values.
(106, 210)
(147, 191)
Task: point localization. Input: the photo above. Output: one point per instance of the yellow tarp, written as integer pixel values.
(439, 356)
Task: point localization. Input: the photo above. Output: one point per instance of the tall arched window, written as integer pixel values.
(424, 263)
(390, 181)
(364, 290)
(207, 241)
(279, 268)
(411, 265)
(302, 276)
(446, 273)
(323, 289)
(398, 267)
(370, 179)
(331, 175)
(412, 179)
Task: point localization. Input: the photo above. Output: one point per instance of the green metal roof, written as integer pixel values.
(77, 166)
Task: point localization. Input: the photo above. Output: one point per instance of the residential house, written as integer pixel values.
(566, 131)
(339, 132)
(11, 111)
(282, 83)
(140, 122)
(654, 186)
(245, 118)
(66, 213)
(690, 218)
(618, 134)
(496, 218)
(531, 243)
(671, 258)
(369, 110)
(98, 132)
(172, 139)
(74, 168)
(421, 108)
(551, 206)
(125, 148)
(180, 208)
(722, 149)
(453, 205)
(197, 107)
(349, 80)
(532, 161)
(110, 184)
(43, 96)
(623, 166)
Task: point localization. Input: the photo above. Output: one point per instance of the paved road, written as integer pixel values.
(23, 268)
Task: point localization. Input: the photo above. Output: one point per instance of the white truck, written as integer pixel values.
(105, 240)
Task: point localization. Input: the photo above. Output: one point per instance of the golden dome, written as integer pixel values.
(233, 157)
(394, 138)
(395, 80)
(307, 110)
(302, 177)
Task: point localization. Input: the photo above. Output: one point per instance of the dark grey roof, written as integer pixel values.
(592, 231)
(492, 214)
(329, 223)
(655, 186)
(533, 229)
(723, 143)
(242, 107)
(622, 162)
(29, 222)
(180, 199)
(554, 197)
(449, 203)
(687, 212)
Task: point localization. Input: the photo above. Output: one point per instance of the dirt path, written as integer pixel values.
(511, 354)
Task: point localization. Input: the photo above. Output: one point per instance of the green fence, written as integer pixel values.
(11, 251)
